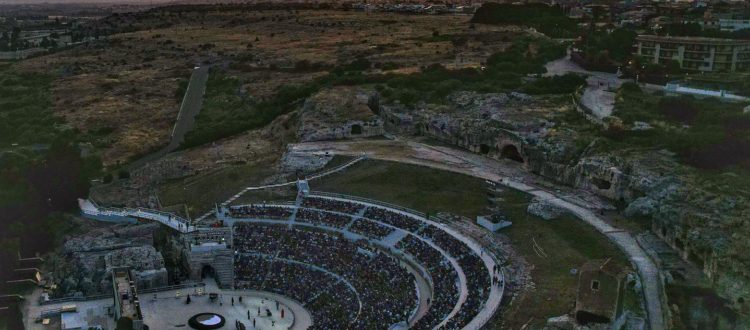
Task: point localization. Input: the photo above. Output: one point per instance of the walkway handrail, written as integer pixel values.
(367, 200)
(312, 177)
(71, 299)
(89, 207)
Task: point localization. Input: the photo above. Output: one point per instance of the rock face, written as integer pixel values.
(86, 265)
(706, 225)
(307, 163)
(496, 125)
(146, 263)
(542, 208)
(340, 113)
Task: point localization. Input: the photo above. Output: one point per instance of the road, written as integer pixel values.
(454, 160)
(192, 103)
(597, 96)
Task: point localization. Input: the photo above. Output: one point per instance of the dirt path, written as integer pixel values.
(582, 204)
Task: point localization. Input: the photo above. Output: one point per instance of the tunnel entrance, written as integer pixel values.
(601, 184)
(207, 271)
(484, 149)
(511, 152)
(356, 129)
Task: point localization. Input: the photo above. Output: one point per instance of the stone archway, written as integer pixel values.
(511, 152)
(208, 271)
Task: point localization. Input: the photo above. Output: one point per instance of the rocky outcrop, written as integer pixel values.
(340, 113)
(706, 226)
(544, 209)
(85, 266)
(495, 125)
(292, 162)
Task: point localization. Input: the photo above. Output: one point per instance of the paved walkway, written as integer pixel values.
(597, 95)
(127, 214)
(192, 103)
(311, 177)
(454, 160)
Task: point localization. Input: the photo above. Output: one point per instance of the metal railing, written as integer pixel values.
(367, 200)
(73, 299)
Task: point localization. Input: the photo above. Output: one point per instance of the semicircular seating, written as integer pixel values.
(345, 261)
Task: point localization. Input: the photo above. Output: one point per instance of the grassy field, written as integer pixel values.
(200, 192)
(566, 242)
(25, 108)
(416, 187)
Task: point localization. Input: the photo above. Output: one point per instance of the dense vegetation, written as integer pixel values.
(703, 132)
(600, 48)
(42, 172)
(549, 20)
(26, 109)
(227, 111)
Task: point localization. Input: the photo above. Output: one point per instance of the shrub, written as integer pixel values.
(679, 110)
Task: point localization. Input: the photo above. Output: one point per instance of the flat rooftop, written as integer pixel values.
(693, 40)
(127, 295)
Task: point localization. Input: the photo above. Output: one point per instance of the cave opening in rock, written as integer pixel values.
(511, 152)
(356, 129)
(601, 183)
(484, 149)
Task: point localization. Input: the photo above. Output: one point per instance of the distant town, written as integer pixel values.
(290, 165)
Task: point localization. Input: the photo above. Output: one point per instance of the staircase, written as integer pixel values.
(224, 268)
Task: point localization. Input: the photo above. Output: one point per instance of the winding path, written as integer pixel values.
(464, 162)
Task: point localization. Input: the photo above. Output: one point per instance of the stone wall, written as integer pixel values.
(220, 261)
(348, 130)
(706, 228)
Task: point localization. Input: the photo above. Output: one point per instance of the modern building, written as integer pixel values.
(695, 53)
(733, 25)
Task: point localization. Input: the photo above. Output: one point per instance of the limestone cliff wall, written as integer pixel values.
(700, 225)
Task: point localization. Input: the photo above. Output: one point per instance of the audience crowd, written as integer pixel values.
(283, 259)
(332, 205)
(370, 229)
(393, 218)
(444, 280)
(385, 289)
(259, 211)
(323, 218)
